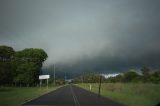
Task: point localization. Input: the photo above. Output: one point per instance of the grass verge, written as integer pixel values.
(15, 96)
(129, 94)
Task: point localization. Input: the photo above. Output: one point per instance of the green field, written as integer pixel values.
(15, 96)
(129, 94)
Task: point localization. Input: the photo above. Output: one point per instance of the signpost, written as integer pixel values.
(41, 77)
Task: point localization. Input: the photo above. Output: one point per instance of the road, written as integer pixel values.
(71, 95)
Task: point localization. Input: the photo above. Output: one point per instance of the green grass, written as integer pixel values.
(15, 96)
(129, 94)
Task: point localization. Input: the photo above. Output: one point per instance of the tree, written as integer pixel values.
(23, 60)
(6, 74)
(88, 78)
(21, 67)
(130, 76)
(115, 79)
(6, 55)
(145, 70)
(155, 77)
(146, 73)
(37, 56)
(26, 74)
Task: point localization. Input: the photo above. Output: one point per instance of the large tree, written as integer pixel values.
(145, 70)
(6, 69)
(25, 61)
(130, 76)
(6, 53)
(37, 56)
(146, 73)
(26, 74)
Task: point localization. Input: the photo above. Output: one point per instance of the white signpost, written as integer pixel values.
(41, 77)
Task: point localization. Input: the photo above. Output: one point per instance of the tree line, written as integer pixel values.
(20, 68)
(145, 76)
(88, 78)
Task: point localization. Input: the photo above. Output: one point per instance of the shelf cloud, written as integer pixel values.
(102, 35)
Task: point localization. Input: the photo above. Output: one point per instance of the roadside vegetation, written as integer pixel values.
(129, 94)
(146, 75)
(129, 88)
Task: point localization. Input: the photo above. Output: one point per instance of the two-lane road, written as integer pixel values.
(71, 95)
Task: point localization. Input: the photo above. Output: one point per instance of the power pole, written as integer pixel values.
(100, 80)
(54, 74)
(65, 78)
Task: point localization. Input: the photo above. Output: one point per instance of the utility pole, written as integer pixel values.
(54, 74)
(65, 78)
(100, 80)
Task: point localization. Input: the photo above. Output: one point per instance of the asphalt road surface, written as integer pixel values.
(71, 95)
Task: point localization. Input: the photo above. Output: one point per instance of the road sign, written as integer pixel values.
(44, 76)
(41, 77)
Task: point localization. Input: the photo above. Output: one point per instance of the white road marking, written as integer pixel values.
(75, 98)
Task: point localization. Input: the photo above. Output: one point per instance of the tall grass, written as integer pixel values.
(130, 94)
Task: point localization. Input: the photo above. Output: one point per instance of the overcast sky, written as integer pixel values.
(108, 35)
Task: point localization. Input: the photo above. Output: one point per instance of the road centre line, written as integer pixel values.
(75, 98)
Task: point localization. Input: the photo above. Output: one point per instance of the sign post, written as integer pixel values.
(41, 77)
(47, 83)
(40, 83)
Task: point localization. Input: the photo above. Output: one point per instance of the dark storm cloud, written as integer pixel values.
(101, 35)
